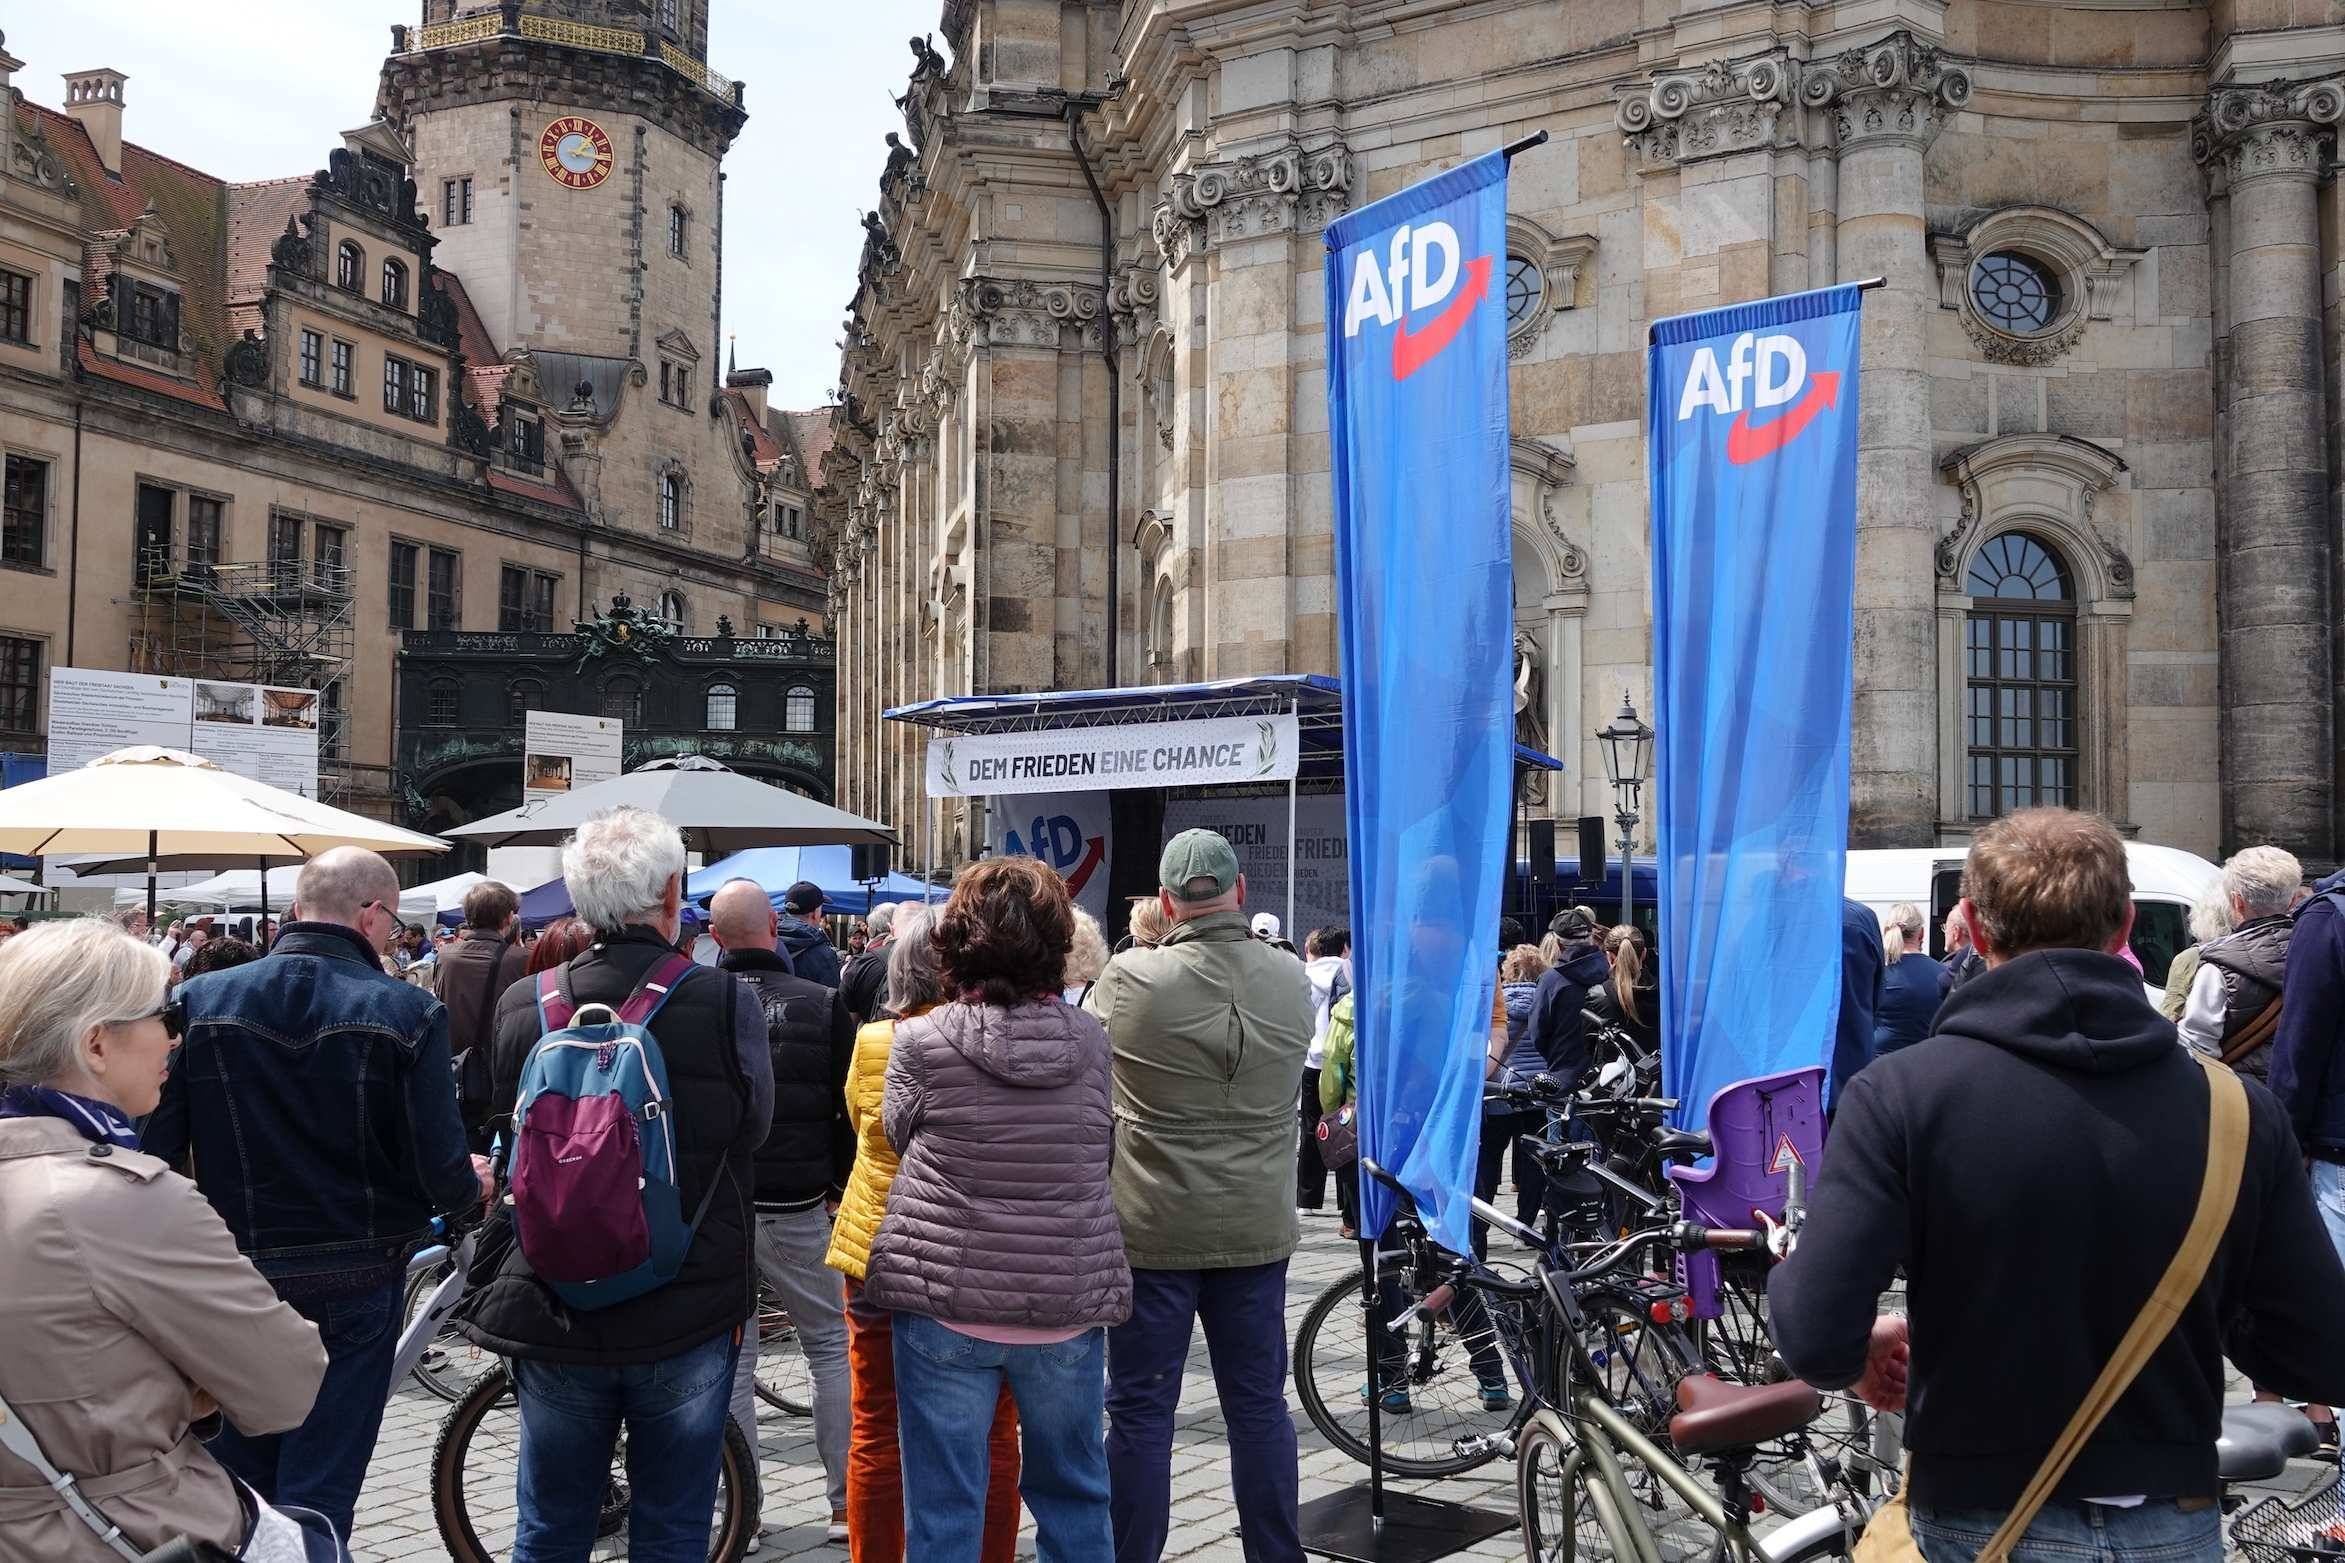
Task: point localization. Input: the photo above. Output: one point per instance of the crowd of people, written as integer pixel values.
(998, 1177)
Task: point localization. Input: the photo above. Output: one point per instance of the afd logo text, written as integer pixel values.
(1423, 285)
(1760, 373)
(1060, 842)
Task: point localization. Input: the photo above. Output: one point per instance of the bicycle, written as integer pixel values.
(784, 1380)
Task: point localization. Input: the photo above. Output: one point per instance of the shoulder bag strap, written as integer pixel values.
(554, 1008)
(2218, 1192)
(18, 1440)
(2255, 1033)
(665, 976)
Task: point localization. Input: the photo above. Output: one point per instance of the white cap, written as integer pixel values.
(1265, 925)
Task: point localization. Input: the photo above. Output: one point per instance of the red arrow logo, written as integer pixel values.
(1413, 350)
(1745, 444)
(1093, 856)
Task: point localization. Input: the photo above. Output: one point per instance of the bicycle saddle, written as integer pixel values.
(2258, 1441)
(1681, 1142)
(1713, 1415)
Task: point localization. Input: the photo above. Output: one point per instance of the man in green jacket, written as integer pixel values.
(1209, 1031)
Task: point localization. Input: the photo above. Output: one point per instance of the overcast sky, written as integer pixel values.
(260, 89)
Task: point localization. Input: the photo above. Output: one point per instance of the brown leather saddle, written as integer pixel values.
(1714, 1416)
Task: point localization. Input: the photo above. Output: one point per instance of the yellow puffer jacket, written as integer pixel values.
(866, 1199)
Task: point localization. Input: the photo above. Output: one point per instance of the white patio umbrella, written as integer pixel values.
(718, 810)
(149, 803)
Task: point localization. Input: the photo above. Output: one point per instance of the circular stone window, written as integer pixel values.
(1526, 285)
(2015, 293)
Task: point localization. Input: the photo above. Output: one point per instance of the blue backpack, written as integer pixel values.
(596, 1205)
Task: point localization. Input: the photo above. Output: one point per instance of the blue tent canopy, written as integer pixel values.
(776, 869)
(1314, 698)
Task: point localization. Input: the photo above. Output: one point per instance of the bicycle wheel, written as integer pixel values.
(1561, 1521)
(476, 1461)
(450, 1365)
(783, 1379)
(1435, 1422)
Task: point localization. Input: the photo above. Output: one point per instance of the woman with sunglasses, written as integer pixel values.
(129, 1322)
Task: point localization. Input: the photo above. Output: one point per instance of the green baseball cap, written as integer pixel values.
(1198, 854)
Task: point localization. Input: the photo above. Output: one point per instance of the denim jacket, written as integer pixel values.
(314, 1095)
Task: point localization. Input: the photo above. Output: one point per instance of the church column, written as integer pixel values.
(1889, 100)
(2273, 584)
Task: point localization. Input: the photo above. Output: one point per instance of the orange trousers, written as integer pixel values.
(875, 1474)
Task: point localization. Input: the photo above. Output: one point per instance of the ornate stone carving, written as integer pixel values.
(1726, 106)
(248, 361)
(2025, 352)
(469, 432)
(435, 312)
(1289, 189)
(291, 252)
(1020, 312)
(2044, 483)
(1897, 90)
(1131, 298)
(2272, 127)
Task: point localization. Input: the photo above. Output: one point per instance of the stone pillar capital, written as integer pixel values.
(2271, 129)
(1285, 189)
(1023, 312)
(1717, 110)
(1896, 92)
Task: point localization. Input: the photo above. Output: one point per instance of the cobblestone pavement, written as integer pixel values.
(395, 1519)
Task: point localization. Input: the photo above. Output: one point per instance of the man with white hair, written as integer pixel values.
(2233, 1010)
(801, 1169)
(865, 981)
(661, 1363)
(314, 1093)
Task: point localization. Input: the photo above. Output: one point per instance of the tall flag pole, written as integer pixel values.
(1752, 433)
(1417, 425)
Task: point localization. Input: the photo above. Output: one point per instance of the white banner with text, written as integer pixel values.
(1212, 751)
(562, 752)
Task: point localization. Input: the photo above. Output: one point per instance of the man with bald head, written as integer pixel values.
(802, 1167)
(314, 1094)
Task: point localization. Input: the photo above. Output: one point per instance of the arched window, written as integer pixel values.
(672, 611)
(350, 267)
(523, 696)
(394, 285)
(723, 708)
(441, 707)
(798, 710)
(2019, 686)
(623, 698)
(671, 501)
(1160, 625)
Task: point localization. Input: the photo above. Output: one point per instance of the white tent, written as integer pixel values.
(422, 903)
(240, 888)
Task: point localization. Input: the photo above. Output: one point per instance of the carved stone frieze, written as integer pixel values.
(2269, 128)
(1289, 189)
(1726, 106)
(1021, 312)
(1896, 91)
(1132, 299)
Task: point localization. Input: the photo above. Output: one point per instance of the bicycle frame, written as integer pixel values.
(1601, 1436)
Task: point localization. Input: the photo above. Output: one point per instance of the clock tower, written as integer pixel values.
(567, 155)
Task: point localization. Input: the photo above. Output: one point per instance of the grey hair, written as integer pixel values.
(61, 980)
(1088, 957)
(2211, 916)
(880, 918)
(617, 867)
(2266, 878)
(1900, 929)
(335, 886)
(914, 977)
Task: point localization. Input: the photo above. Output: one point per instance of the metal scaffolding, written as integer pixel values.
(285, 622)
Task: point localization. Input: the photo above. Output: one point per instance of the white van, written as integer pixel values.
(2166, 880)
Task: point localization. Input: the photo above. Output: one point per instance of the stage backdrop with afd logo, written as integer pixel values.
(1417, 436)
(1752, 442)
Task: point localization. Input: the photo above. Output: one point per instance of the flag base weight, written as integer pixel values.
(1342, 1525)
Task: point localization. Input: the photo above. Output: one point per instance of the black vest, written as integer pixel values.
(515, 1314)
(811, 1149)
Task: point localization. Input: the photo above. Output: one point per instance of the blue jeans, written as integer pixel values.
(674, 1413)
(2075, 1532)
(2328, 1193)
(321, 1464)
(1244, 1311)
(946, 1386)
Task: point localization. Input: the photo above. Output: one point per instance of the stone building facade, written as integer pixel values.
(464, 378)
(1085, 439)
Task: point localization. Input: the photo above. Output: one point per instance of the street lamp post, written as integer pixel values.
(1628, 758)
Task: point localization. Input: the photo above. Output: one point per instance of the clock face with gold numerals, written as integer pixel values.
(576, 152)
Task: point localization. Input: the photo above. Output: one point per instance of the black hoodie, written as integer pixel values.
(2032, 1168)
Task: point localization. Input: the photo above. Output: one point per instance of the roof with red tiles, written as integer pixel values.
(764, 450)
(258, 214)
(810, 431)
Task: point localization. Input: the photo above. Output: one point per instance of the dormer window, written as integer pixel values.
(148, 314)
(394, 285)
(350, 267)
(525, 437)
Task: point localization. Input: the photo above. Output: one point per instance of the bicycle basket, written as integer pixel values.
(2274, 1530)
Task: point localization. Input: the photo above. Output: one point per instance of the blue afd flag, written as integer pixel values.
(1752, 440)
(1416, 379)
